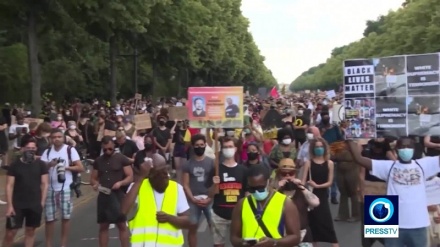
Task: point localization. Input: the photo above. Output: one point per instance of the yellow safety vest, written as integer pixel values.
(145, 230)
(271, 218)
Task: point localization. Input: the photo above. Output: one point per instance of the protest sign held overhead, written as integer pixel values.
(215, 107)
(396, 96)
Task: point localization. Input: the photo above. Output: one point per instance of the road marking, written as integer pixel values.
(93, 239)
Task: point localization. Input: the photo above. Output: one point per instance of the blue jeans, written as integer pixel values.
(417, 237)
(334, 188)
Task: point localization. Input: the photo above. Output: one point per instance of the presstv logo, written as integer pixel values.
(381, 214)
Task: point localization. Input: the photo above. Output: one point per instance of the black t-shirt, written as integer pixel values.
(369, 152)
(3, 140)
(178, 136)
(231, 111)
(128, 149)
(301, 121)
(27, 186)
(162, 136)
(232, 188)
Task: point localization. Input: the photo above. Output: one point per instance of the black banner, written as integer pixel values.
(359, 79)
(391, 115)
(423, 74)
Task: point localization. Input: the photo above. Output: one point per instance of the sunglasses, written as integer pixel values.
(258, 188)
(285, 174)
(108, 149)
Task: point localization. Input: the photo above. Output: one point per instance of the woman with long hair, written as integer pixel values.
(318, 174)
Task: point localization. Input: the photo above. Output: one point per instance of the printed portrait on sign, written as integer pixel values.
(231, 106)
(360, 118)
(390, 77)
(198, 106)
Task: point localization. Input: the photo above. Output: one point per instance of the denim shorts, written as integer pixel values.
(195, 213)
(409, 237)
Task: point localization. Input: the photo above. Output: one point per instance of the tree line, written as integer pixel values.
(115, 48)
(412, 29)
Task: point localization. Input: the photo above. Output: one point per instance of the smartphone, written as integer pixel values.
(251, 242)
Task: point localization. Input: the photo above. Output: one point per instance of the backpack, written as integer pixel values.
(69, 153)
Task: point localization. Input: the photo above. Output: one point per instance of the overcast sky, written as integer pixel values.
(295, 35)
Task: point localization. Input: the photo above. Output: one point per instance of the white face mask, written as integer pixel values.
(230, 133)
(228, 152)
(310, 136)
(59, 118)
(300, 112)
(67, 113)
(72, 127)
(287, 141)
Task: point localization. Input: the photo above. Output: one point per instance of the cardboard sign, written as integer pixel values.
(35, 120)
(375, 188)
(109, 133)
(178, 112)
(142, 121)
(138, 96)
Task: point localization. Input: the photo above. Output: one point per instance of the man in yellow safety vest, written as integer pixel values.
(265, 218)
(161, 207)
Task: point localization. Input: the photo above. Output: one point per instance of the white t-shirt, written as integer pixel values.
(408, 182)
(13, 130)
(53, 178)
(182, 203)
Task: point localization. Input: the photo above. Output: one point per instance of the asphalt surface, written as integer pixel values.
(84, 231)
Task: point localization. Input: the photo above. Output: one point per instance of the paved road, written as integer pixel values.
(84, 231)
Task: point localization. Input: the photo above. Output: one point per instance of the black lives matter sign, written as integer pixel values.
(358, 79)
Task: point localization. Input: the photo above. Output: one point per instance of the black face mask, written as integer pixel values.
(252, 156)
(289, 186)
(28, 156)
(162, 123)
(325, 120)
(199, 151)
(148, 146)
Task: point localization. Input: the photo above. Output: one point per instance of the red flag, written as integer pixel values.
(274, 93)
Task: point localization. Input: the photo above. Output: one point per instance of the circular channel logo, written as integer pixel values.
(381, 210)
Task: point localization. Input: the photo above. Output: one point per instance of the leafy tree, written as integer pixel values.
(410, 30)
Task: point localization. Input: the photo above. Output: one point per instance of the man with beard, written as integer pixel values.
(111, 173)
(158, 223)
(199, 108)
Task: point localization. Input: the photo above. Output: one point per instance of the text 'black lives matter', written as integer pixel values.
(423, 74)
(391, 113)
(358, 79)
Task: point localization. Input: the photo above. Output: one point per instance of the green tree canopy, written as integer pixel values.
(413, 29)
(86, 48)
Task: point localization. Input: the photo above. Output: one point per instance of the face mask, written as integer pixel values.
(310, 136)
(59, 118)
(259, 196)
(73, 127)
(228, 152)
(162, 123)
(148, 146)
(199, 151)
(230, 133)
(325, 120)
(300, 112)
(67, 113)
(28, 156)
(405, 154)
(252, 156)
(118, 107)
(287, 141)
(319, 151)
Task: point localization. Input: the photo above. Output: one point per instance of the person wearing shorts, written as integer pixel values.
(26, 184)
